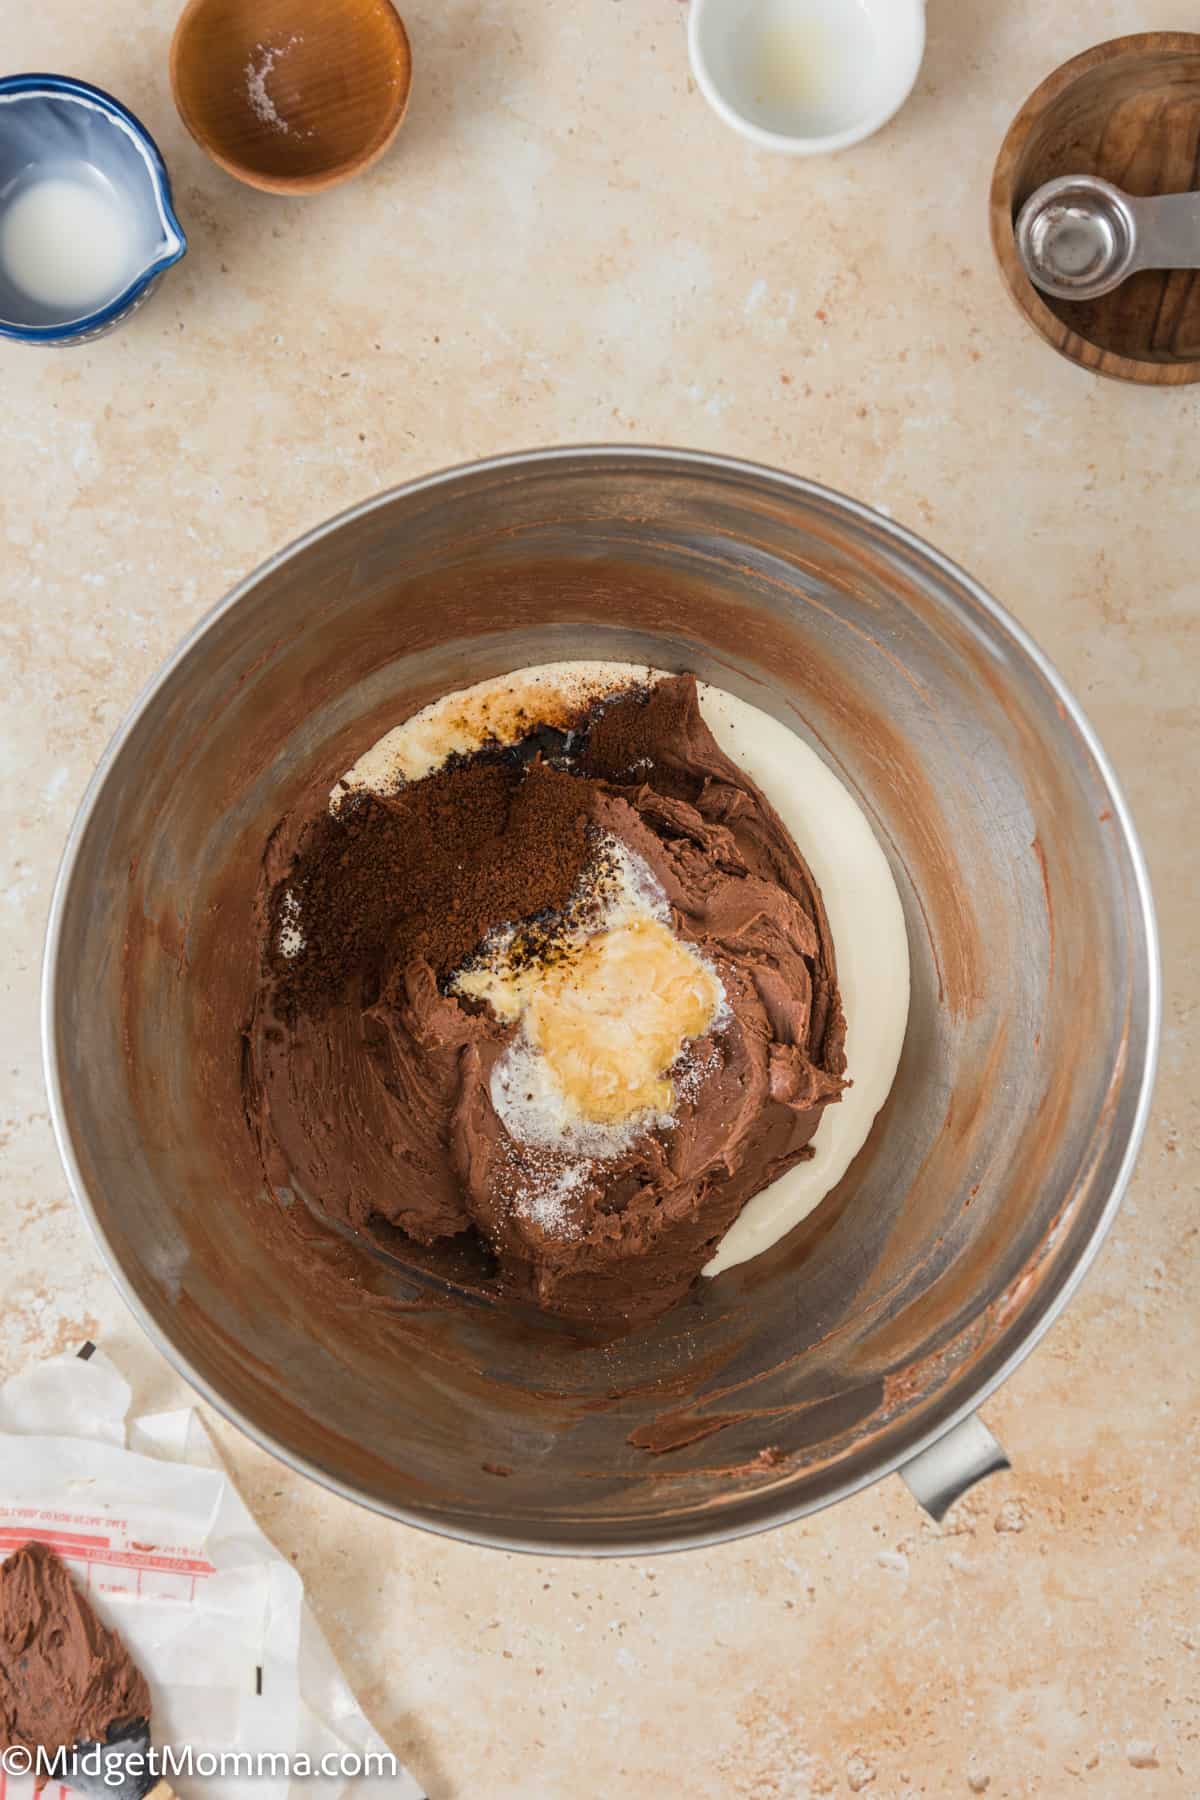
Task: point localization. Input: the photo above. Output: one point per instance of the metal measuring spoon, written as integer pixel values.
(1080, 237)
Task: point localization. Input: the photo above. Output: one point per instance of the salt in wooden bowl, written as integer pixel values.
(291, 96)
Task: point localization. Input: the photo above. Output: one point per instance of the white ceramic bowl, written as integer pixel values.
(806, 77)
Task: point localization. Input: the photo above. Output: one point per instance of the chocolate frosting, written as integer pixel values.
(367, 1084)
(65, 1678)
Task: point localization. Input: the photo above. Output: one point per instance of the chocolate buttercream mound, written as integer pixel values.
(65, 1678)
(368, 1083)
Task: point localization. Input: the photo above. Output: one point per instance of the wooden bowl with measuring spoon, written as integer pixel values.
(1127, 112)
(291, 96)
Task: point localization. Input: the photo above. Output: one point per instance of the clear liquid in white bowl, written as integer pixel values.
(809, 64)
(808, 69)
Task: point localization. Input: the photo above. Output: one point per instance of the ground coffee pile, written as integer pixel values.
(382, 879)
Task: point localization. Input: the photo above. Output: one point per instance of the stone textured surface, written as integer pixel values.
(565, 244)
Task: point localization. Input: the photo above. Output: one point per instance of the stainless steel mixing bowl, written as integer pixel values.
(962, 1228)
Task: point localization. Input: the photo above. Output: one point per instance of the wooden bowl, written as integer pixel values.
(1128, 110)
(291, 95)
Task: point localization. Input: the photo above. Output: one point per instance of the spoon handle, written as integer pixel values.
(1168, 231)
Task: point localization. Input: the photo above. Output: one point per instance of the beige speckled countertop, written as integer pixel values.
(564, 244)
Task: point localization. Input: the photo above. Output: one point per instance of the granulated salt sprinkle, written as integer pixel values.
(692, 1067)
(257, 70)
(291, 938)
(538, 1185)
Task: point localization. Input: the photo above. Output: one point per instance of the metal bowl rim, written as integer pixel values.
(1027, 1336)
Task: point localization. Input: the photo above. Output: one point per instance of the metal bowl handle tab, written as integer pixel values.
(940, 1475)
